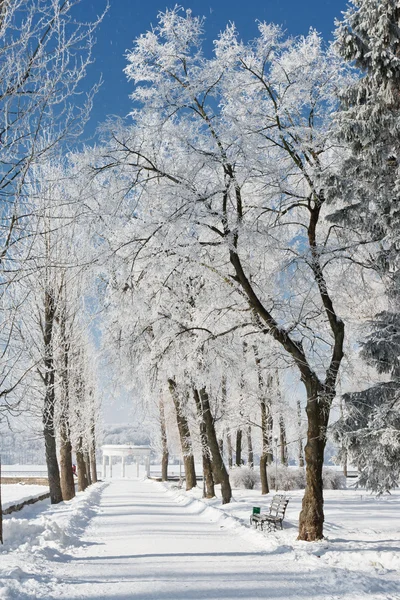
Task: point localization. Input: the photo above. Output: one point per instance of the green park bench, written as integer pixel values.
(270, 520)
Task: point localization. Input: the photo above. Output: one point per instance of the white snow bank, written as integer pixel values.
(15, 493)
(41, 531)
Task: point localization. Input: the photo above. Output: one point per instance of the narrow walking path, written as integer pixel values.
(142, 545)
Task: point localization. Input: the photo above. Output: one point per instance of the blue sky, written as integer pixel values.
(127, 19)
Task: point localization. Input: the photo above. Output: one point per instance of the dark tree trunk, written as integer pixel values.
(184, 434)
(223, 410)
(250, 460)
(266, 424)
(282, 440)
(229, 449)
(67, 476)
(266, 445)
(219, 470)
(164, 442)
(311, 520)
(301, 452)
(66, 473)
(209, 491)
(93, 461)
(238, 448)
(50, 400)
(81, 467)
(263, 474)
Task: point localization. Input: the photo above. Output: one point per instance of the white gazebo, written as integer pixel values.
(124, 450)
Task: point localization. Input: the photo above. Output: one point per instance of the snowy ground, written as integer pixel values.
(14, 493)
(138, 540)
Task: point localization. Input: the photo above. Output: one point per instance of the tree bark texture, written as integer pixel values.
(311, 519)
(282, 442)
(266, 435)
(250, 459)
(66, 473)
(209, 490)
(219, 470)
(86, 458)
(93, 461)
(81, 467)
(50, 399)
(301, 451)
(229, 449)
(238, 459)
(164, 441)
(184, 434)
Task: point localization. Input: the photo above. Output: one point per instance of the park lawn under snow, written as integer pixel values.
(144, 540)
(15, 493)
(362, 530)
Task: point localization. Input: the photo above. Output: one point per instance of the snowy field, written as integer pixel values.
(133, 539)
(14, 493)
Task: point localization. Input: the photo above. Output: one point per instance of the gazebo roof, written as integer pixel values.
(125, 450)
(124, 447)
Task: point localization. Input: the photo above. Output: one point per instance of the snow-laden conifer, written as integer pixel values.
(369, 123)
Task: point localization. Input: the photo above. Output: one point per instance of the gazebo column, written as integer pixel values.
(110, 466)
(148, 466)
(137, 466)
(103, 473)
(123, 466)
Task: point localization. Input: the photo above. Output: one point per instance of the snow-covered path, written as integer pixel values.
(143, 545)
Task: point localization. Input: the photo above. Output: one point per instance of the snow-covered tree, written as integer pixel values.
(226, 163)
(44, 54)
(368, 122)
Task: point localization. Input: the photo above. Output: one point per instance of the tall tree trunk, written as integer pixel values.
(221, 445)
(266, 424)
(311, 519)
(66, 473)
(184, 434)
(282, 441)
(50, 400)
(86, 458)
(93, 461)
(164, 441)
(229, 449)
(266, 448)
(250, 460)
(239, 448)
(301, 452)
(81, 467)
(344, 450)
(223, 410)
(219, 469)
(209, 490)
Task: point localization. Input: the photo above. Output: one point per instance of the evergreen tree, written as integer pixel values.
(369, 122)
(369, 432)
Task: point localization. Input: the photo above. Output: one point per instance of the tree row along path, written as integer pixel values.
(143, 545)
